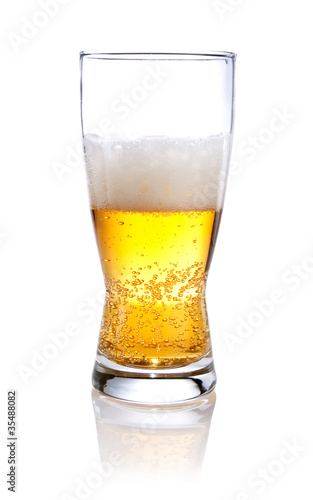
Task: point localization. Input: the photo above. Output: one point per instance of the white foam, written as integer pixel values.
(157, 173)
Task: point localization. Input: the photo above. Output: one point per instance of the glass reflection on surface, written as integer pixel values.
(144, 442)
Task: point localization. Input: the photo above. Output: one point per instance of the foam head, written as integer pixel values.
(157, 173)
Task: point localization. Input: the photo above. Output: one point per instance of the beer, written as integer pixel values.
(154, 237)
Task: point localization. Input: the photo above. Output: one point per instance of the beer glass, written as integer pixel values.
(157, 133)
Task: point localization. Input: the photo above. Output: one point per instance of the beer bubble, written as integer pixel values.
(167, 190)
(144, 187)
(121, 223)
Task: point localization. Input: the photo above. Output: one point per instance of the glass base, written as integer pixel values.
(158, 387)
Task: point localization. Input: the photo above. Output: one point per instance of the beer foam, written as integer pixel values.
(157, 173)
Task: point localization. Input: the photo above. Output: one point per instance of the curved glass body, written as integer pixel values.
(157, 131)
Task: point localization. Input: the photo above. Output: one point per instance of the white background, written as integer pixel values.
(49, 263)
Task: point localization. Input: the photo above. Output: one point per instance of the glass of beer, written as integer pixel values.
(157, 133)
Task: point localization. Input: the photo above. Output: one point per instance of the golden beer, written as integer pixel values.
(155, 269)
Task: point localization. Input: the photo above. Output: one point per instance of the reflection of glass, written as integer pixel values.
(156, 178)
(152, 442)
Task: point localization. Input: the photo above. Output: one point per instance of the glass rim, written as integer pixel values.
(155, 56)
